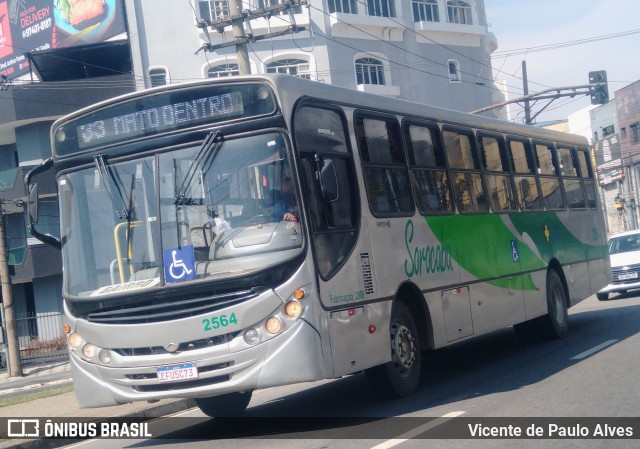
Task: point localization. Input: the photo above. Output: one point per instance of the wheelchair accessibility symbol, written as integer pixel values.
(179, 264)
(515, 255)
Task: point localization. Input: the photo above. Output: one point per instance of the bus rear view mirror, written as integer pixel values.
(328, 179)
(32, 207)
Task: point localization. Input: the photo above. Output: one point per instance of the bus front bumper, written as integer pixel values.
(292, 357)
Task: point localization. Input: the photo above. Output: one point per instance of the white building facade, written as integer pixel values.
(429, 51)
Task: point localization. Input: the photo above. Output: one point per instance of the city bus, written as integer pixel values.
(224, 236)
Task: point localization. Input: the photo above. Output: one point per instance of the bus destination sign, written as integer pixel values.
(160, 112)
(160, 118)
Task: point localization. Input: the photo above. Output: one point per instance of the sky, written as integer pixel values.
(525, 24)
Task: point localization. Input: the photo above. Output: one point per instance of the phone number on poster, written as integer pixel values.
(37, 27)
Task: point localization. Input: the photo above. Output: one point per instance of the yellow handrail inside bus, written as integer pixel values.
(116, 230)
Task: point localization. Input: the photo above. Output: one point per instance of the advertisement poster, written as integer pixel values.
(609, 159)
(36, 25)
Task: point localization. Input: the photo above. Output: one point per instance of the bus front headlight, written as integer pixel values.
(273, 325)
(74, 341)
(252, 337)
(293, 309)
(88, 351)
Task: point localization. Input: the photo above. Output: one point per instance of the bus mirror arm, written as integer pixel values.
(32, 205)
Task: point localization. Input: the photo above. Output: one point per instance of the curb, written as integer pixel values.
(156, 411)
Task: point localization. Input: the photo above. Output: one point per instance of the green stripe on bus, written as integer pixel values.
(485, 247)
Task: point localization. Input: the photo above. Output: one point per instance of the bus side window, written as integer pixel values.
(586, 174)
(383, 166)
(497, 174)
(465, 171)
(548, 175)
(427, 169)
(570, 180)
(527, 192)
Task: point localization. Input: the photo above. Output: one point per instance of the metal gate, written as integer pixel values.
(41, 337)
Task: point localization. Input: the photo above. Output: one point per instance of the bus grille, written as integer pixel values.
(626, 272)
(186, 346)
(167, 311)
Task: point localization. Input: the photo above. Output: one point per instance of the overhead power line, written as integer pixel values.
(555, 46)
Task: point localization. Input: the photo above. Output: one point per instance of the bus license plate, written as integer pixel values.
(177, 373)
(628, 276)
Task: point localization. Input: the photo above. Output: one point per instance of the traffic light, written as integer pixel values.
(599, 90)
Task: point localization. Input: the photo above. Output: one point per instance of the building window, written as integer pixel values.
(635, 132)
(369, 71)
(381, 8)
(459, 12)
(219, 71)
(425, 11)
(267, 3)
(213, 9)
(344, 6)
(454, 71)
(293, 67)
(158, 77)
(607, 131)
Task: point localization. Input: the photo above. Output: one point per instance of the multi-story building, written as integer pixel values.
(430, 51)
(616, 134)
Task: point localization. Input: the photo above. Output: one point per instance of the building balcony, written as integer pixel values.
(449, 33)
(360, 26)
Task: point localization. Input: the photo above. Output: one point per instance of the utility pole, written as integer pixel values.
(525, 88)
(597, 89)
(237, 25)
(14, 363)
(238, 19)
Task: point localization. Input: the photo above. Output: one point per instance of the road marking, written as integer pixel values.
(593, 350)
(417, 431)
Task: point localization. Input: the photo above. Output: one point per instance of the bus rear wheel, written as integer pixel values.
(401, 376)
(231, 404)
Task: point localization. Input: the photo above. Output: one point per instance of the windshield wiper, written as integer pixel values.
(205, 157)
(107, 175)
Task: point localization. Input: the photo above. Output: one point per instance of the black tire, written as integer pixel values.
(401, 376)
(232, 404)
(602, 296)
(557, 322)
(553, 325)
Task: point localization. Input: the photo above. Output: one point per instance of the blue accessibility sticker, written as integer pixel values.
(179, 264)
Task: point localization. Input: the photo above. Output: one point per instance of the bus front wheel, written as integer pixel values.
(401, 376)
(231, 404)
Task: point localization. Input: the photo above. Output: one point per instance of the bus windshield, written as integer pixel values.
(210, 210)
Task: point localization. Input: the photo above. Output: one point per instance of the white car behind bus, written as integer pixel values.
(624, 250)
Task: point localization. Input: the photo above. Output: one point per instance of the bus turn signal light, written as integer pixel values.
(298, 294)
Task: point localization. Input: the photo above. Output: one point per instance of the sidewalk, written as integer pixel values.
(64, 405)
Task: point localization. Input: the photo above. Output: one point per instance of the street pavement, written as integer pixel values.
(57, 374)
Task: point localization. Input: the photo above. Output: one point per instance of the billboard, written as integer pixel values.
(609, 159)
(36, 25)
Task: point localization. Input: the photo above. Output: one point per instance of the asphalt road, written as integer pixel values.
(591, 373)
